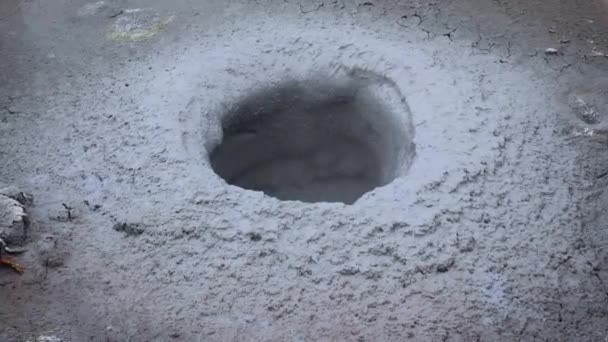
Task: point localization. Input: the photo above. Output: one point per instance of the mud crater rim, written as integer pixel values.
(314, 140)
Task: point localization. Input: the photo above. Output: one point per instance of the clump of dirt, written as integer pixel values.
(14, 222)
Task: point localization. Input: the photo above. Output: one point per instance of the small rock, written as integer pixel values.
(551, 51)
(130, 229)
(446, 265)
(14, 222)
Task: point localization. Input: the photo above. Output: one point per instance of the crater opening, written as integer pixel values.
(316, 141)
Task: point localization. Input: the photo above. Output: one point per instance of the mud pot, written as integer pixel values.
(280, 170)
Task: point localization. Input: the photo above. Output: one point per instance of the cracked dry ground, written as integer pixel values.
(497, 231)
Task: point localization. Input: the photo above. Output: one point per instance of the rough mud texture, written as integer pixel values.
(496, 231)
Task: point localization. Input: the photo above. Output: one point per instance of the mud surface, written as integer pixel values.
(496, 230)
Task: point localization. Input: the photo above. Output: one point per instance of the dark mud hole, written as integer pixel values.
(312, 141)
